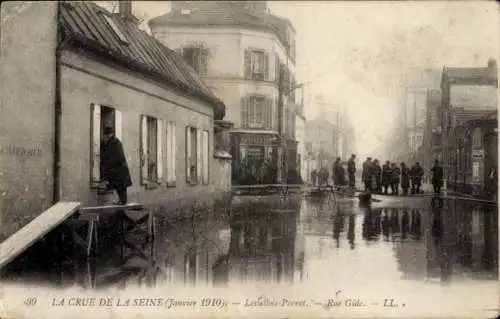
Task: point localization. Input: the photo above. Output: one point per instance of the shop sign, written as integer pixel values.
(477, 155)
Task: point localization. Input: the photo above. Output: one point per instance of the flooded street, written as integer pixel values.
(311, 246)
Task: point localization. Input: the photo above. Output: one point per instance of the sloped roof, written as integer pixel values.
(83, 23)
(220, 14)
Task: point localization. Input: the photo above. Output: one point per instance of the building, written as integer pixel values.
(468, 95)
(73, 68)
(240, 50)
(416, 111)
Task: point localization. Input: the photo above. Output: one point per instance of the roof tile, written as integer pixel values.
(87, 20)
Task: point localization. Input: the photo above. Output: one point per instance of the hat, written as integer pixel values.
(109, 130)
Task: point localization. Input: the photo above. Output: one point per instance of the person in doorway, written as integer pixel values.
(437, 177)
(351, 171)
(386, 176)
(367, 173)
(377, 171)
(416, 174)
(395, 173)
(114, 167)
(405, 178)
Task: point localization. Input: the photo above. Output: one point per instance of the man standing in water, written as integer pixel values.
(114, 168)
(351, 170)
(367, 173)
(437, 177)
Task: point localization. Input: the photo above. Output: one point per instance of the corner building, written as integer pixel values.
(239, 49)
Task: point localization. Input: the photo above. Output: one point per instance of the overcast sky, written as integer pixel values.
(358, 54)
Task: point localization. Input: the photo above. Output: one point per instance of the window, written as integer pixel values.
(171, 151)
(477, 137)
(197, 58)
(102, 116)
(475, 171)
(197, 155)
(151, 150)
(256, 65)
(115, 28)
(256, 112)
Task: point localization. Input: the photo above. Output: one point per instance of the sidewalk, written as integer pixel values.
(429, 191)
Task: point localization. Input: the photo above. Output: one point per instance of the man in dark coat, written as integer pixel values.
(114, 168)
(395, 172)
(314, 175)
(351, 171)
(386, 176)
(377, 172)
(405, 178)
(338, 173)
(416, 174)
(367, 173)
(437, 177)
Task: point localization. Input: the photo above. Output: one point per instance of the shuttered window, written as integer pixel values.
(151, 150)
(256, 65)
(256, 112)
(197, 155)
(196, 57)
(101, 117)
(170, 156)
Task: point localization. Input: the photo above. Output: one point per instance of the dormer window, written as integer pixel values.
(185, 11)
(115, 28)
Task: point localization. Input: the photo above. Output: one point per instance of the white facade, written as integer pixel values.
(225, 66)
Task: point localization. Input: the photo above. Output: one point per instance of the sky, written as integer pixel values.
(359, 55)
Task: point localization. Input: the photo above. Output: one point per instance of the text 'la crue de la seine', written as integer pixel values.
(217, 302)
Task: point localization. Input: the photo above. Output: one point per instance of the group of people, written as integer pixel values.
(380, 178)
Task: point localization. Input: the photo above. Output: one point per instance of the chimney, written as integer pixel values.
(125, 9)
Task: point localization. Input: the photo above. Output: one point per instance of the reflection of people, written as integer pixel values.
(114, 168)
(350, 231)
(405, 224)
(385, 225)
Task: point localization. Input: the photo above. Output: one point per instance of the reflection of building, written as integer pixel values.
(265, 247)
(239, 49)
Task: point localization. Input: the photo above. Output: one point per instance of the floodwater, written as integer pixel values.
(444, 252)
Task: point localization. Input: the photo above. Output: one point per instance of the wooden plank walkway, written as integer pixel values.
(37, 228)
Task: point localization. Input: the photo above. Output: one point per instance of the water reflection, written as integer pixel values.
(282, 243)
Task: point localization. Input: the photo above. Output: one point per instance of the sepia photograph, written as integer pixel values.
(249, 159)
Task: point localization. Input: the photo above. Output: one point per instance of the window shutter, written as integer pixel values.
(188, 154)
(179, 51)
(159, 149)
(174, 156)
(266, 66)
(199, 165)
(144, 149)
(95, 152)
(206, 148)
(276, 114)
(269, 114)
(244, 112)
(118, 125)
(248, 64)
(169, 152)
